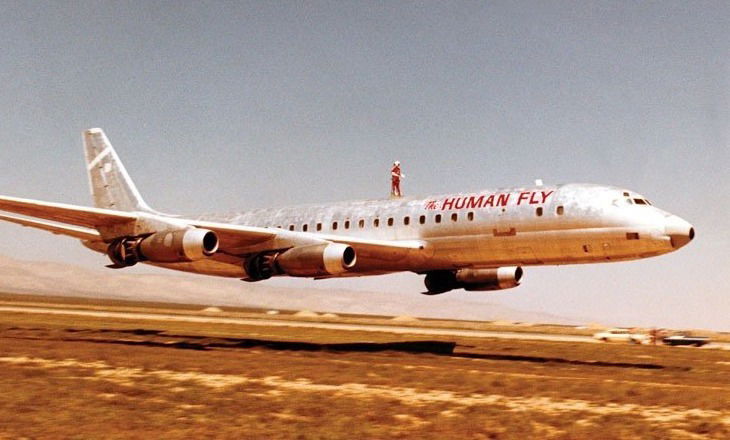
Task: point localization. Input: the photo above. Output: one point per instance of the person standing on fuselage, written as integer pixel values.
(395, 176)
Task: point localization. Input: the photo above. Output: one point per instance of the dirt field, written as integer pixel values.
(91, 378)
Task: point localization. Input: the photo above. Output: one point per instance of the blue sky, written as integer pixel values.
(225, 106)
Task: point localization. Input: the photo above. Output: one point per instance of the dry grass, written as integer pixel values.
(254, 313)
(88, 378)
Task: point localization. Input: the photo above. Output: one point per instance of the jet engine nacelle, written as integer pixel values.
(178, 246)
(317, 260)
(441, 281)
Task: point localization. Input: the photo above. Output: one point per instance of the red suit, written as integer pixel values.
(395, 175)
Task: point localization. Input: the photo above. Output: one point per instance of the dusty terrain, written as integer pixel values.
(88, 378)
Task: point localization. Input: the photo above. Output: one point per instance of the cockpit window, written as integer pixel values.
(640, 202)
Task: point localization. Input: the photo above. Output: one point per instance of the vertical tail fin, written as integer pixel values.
(111, 186)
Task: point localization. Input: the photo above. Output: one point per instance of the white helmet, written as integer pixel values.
(397, 162)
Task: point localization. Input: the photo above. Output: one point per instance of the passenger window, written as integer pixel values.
(422, 219)
(361, 223)
(291, 227)
(305, 227)
(406, 221)
(319, 226)
(470, 216)
(560, 210)
(454, 217)
(347, 224)
(390, 221)
(538, 211)
(437, 219)
(376, 222)
(334, 226)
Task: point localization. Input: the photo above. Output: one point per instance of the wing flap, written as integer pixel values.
(63, 213)
(72, 231)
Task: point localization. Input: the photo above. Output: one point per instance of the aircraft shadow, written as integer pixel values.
(162, 339)
(193, 342)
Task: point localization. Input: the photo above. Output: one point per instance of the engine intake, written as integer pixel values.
(441, 281)
(177, 246)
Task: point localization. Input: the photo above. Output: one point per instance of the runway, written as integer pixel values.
(346, 327)
(394, 329)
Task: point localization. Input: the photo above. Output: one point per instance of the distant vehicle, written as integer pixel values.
(686, 339)
(621, 335)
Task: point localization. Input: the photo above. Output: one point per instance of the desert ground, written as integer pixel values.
(89, 377)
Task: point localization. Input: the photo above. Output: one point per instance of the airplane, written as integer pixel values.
(476, 241)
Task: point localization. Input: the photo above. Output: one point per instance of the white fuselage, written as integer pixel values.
(475, 241)
(550, 225)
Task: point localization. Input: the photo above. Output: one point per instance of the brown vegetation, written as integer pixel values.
(88, 378)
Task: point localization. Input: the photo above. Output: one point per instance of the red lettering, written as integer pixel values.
(503, 199)
(490, 201)
(545, 195)
(533, 200)
(460, 203)
(474, 202)
(448, 204)
(523, 196)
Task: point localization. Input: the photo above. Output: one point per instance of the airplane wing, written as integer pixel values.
(72, 231)
(69, 214)
(235, 237)
(378, 249)
(238, 239)
(81, 222)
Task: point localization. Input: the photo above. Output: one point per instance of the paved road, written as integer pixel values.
(308, 324)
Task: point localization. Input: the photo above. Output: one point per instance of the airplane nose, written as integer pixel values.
(679, 231)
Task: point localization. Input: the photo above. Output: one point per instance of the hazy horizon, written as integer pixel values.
(220, 107)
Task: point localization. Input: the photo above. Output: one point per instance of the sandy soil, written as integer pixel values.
(89, 377)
